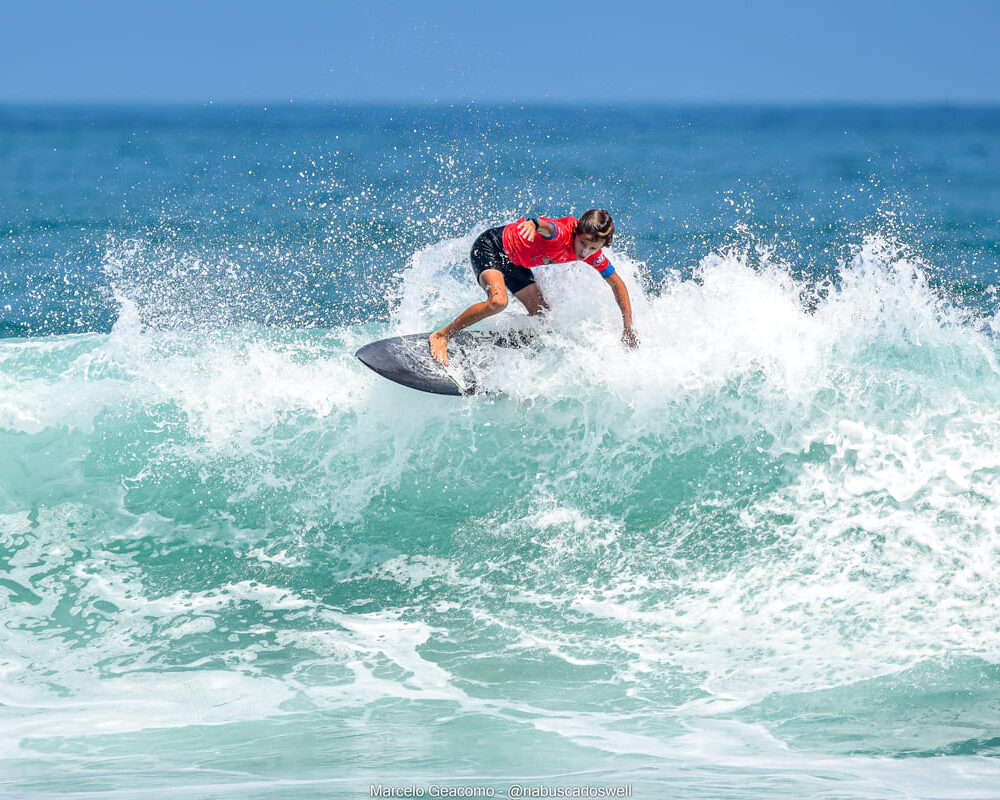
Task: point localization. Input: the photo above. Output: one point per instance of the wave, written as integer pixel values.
(788, 491)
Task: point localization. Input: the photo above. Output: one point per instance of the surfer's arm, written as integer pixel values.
(529, 226)
(617, 285)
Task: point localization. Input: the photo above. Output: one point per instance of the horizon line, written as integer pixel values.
(603, 103)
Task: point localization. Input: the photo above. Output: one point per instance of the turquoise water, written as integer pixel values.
(757, 557)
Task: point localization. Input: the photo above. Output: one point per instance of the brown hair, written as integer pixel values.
(597, 222)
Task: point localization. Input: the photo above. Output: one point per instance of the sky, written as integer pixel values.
(696, 51)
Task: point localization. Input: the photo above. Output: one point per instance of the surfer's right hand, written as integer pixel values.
(527, 229)
(439, 347)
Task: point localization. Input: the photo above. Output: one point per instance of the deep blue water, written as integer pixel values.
(317, 207)
(757, 557)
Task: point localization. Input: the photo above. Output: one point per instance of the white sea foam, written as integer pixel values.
(767, 498)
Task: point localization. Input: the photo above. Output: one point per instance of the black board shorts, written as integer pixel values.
(488, 253)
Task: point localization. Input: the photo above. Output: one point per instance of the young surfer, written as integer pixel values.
(503, 258)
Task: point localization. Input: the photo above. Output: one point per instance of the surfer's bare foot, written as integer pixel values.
(439, 347)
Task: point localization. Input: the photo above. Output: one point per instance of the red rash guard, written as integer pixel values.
(556, 250)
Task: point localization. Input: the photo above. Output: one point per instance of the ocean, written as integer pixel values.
(755, 558)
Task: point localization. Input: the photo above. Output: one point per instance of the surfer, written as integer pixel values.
(503, 257)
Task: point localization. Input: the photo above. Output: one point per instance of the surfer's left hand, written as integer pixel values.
(527, 229)
(630, 339)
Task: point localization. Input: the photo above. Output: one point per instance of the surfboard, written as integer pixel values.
(407, 360)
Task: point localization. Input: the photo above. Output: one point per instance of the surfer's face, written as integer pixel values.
(586, 245)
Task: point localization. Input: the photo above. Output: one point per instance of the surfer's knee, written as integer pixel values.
(496, 302)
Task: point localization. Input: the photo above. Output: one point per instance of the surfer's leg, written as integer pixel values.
(496, 301)
(531, 298)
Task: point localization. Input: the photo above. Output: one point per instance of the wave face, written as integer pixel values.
(755, 557)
